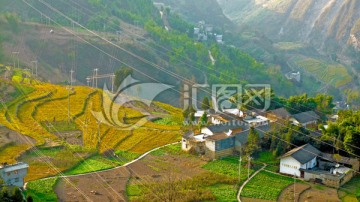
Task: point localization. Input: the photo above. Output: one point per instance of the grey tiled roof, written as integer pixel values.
(306, 117)
(303, 154)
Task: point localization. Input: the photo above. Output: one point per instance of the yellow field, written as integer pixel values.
(49, 103)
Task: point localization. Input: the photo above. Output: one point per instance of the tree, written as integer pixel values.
(205, 105)
(17, 195)
(4, 194)
(29, 199)
(279, 149)
(121, 74)
(203, 119)
(253, 142)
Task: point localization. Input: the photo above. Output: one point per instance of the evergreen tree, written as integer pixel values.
(203, 119)
(205, 105)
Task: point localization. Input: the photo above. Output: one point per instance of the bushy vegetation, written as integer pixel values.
(42, 190)
(344, 134)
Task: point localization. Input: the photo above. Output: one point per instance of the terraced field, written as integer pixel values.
(334, 74)
(43, 113)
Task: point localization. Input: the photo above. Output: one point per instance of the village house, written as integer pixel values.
(13, 175)
(310, 164)
(307, 119)
(278, 115)
(256, 120)
(218, 141)
(221, 118)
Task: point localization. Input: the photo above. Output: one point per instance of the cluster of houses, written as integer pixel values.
(203, 31)
(229, 131)
(14, 174)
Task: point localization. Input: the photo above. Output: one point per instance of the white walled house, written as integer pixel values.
(14, 174)
(294, 161)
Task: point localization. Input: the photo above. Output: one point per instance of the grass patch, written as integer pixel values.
(224, 192)
(92, 164)
(59, 126)
(267, 186)
(126, 155)
(174, 149)
(351, 189)
(42, 190)
(166, 121)
(133, 190)
(267, 157)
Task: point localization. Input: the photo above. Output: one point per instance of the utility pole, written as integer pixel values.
(249, 162)
(98, 143)
(36, 66)
(240, 165)
(71, 77)
(112, 83)
(69, 89)
(95, 77)
(294, 188)
(16, 53)
(88, 80)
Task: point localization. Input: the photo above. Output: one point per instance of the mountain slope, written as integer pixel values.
(320, 22)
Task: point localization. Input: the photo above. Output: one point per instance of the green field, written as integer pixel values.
(92, 164)
(42, 190)
(350, 192)
(334, 74)
(224, 192)
(230, 166)
(267, 186)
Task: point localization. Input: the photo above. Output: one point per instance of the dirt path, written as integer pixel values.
(243, 185)
(319, 194)
(288, 193)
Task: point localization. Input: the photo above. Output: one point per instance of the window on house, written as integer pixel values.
(8, 173)
(16, 179)
(186, 146)
(15, 172)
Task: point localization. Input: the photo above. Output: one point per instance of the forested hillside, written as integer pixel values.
(138, 28)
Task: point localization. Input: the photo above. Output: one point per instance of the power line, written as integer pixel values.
(142, 59)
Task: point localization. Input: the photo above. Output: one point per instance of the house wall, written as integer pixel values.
(185, 145)
(329, 179)
(15, 178)
(290, 166)
(219, 154)
(210, 145)
(310, 164)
